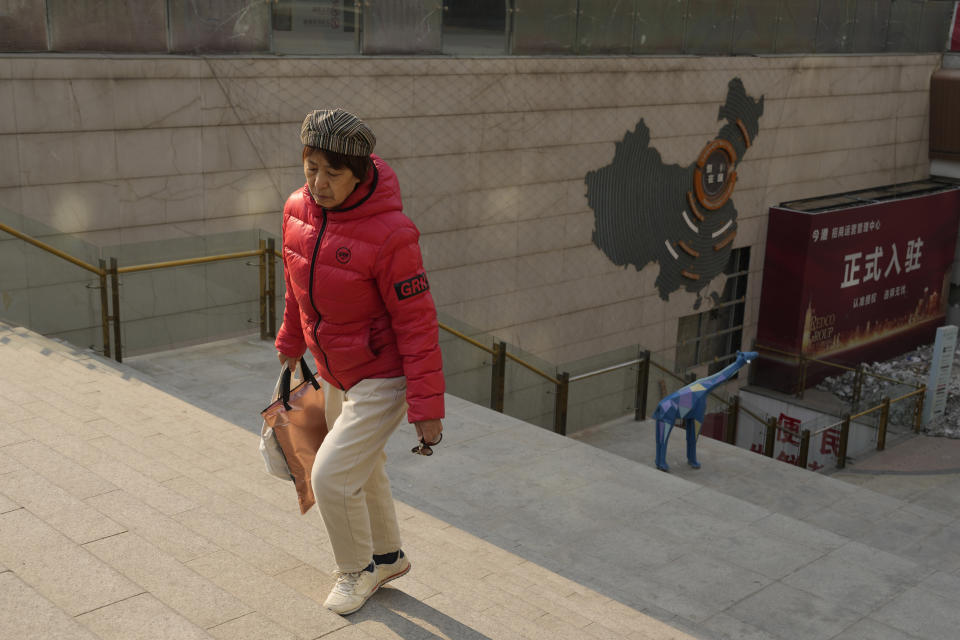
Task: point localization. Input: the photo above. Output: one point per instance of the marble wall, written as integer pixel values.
(491, 154)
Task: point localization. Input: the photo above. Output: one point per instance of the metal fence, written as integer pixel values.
(478, 27)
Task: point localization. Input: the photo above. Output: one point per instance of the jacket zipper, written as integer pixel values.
(316, 327)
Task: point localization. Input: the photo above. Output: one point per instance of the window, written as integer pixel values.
(714, 336)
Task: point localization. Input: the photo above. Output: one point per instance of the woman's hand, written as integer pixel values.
(428, 431)
(287, 360)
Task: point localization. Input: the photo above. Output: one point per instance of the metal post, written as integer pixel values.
(115, 286)
(804, 448)
(857, 388)
(882, 427)
(498, 377)
(844, 437)
(560, 404)
(643, 377)
(104, 308)
(769, 437)
(918, 410)
(733, 415)
(271, 288)
(262, 269)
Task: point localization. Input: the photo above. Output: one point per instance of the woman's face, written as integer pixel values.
(328, 186)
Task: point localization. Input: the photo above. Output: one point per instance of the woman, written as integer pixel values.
(358, 297)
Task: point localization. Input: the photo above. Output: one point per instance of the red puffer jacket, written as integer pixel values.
(357, 295)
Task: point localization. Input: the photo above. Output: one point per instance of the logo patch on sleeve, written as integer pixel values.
(411, 286)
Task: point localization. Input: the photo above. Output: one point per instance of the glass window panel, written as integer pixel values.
(316, 27)
(709, 26)
(935, 25)
(870, 28)
(606, 26)
(402, 26)
(658, 26)
(219, 25)
(108, 25)
(755, 27)
(475, 27)
(797, 27)
(744, 255)
(904, 29)
(544, 26)
(835, 29)
(23, 26)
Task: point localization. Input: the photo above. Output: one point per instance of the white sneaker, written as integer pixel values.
(387, 572)
(352, 591)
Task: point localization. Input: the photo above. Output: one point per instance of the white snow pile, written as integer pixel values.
(911, 368)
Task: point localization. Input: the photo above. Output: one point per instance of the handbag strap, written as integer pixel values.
(285, 378)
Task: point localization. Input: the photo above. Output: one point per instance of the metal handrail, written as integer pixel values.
(57, 252)
(466, 338)
(801, 357)
(190, 261)
(614, 367)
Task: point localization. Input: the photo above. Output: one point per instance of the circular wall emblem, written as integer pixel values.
(343, 255)
(714, 177)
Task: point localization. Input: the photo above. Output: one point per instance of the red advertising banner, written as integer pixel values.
(955, 31)
(854, 284)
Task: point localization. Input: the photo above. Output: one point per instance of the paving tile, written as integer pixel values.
(792, 614)
(140, 617)
(697, 586)
(65, 513)
(146, 489)
(8, 464)
(62, 572)
(310, 581)
(724, 627)
(168, 535)
(252, 626)
(6, 504)
(861, 577)
(59, 470)
(274, 600)
(180, 588)
(868, 629)
(230, 537)
(151, 467)
(921, 613)
(27, 615)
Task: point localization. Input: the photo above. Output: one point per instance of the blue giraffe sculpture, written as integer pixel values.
(689, 404)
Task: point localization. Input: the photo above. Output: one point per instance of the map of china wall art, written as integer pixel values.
(682, 218)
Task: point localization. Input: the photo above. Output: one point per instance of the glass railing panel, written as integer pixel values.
(219, 25)
(658, 27)
(542, 27)
(605, 396)
(467, 369)
(529, 396)
(170, 307)
(44, 292)
(835, 26)
(605, 27)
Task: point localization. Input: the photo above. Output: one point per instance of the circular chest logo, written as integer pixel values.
(343, 255)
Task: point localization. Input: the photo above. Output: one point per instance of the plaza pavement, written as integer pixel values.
(133, 504)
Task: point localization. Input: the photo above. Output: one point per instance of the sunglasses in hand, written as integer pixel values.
(425, 449)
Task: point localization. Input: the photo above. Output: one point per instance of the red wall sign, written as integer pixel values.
(857, 284)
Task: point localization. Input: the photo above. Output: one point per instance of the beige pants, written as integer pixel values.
(349, 476)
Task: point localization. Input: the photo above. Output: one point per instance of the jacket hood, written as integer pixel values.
(379, 192)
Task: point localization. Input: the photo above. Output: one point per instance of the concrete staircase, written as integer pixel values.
(130, 509)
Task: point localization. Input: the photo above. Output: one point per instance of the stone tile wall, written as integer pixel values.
(491, 154)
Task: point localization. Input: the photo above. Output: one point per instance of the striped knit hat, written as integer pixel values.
(338, 131)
